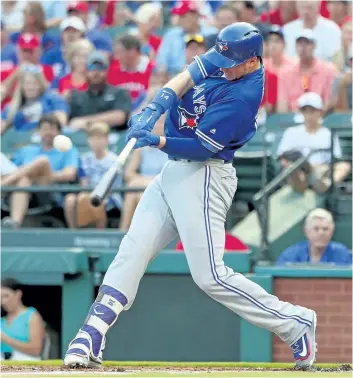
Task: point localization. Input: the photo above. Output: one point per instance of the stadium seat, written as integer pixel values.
(12, 140)
(79, 140)
(280, 121)
(338, 120)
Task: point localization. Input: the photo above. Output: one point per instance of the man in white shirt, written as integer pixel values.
(303, 139)
(326, 32)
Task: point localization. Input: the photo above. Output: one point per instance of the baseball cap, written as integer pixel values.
(198, 38)
(185, 7)
(28, 41)
(97, 61)
(310, 99)
(73, 22)
(306, 34)
(276, 29)
(79, 6)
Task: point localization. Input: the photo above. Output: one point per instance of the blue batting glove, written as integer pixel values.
(144, 138)
(146, 119)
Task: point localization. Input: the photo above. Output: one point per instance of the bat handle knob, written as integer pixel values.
(95, 201)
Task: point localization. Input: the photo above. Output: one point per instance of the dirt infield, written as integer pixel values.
(113, 369)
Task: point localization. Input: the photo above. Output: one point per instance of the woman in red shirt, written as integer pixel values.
(76, 56)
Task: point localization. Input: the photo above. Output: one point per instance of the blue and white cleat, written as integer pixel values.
(304, 349)
(86, 349)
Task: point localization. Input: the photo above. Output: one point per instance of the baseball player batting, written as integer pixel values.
(211, 108)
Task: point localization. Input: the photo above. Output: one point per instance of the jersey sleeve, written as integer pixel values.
(223, 122)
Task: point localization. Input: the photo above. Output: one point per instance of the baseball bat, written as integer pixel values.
(103, 187)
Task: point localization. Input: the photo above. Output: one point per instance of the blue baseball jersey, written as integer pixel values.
(220, 113)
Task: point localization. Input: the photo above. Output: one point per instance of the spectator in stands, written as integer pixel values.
(55, 12)
(225, 15)
(326, 33)
(340, 58)
(72, 29)
(29, 51)
(100, 38)
(171, 54)
(130, 69)
(246, 12)
(318, 248)
(342, 87)
(309, 74)
(302, 140)
(194, 45)
(8, 52)
(34, 23)
(339, 11)
(40, 164)
(284, 12)
(276, 61)
(145, 164)
(76, 55)
(231, 244)
(101, 102)
(78, 210)
(148, 18)
(31, 101)
(22, 329)
(12, 15)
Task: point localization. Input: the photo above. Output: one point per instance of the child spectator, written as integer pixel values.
(145, 164)
(22, 328)
(130, 69)
(148, 18)
(101, 102)
(78, 210)
(303, 139)
(76, 56)
(309, 74)
(31, 101)
(72, 29)
(319, 247)
(40, 164)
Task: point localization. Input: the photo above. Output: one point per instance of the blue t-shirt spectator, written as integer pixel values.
(58, 160)
(335, 253)
(28, 116)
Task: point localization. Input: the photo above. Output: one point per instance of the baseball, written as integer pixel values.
(62, 143)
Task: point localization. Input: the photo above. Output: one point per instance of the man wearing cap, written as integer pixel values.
(101, 102)
(311, 135)
(319, 247)
(130, 69)
(309, 74)
(276, 60)
(171, 54)
(72, 28)
(325, 32)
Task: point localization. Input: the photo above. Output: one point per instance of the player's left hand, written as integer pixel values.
(146, 119)
(144, 138)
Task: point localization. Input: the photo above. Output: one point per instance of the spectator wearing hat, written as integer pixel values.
(171, 54)
(101, 39)
(28, 52)
(318, 248)
(100, 102)
(326, 33)
(77, 55)
(72, 29)
(148, 18)
(78, 210)
(194, 45)
(225, 15)
(284, 12)
(130, 69)
(34, 23)
(309, 74)
(30, 101)
(276, 61)
(301, 140)
(40, 164)
(339, 11)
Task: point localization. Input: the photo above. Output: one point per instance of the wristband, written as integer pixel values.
(165, 99)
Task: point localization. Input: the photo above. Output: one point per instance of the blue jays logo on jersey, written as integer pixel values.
(222, 46)
(187, 119)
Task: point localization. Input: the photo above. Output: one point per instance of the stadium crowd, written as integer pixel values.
(87, 66)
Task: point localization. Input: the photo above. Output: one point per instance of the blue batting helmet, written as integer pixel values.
(235, 44)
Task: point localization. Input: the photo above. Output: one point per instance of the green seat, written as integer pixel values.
(338, 120)
(79, 140)
(12, 140)
(115, 31)
(280, 121)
